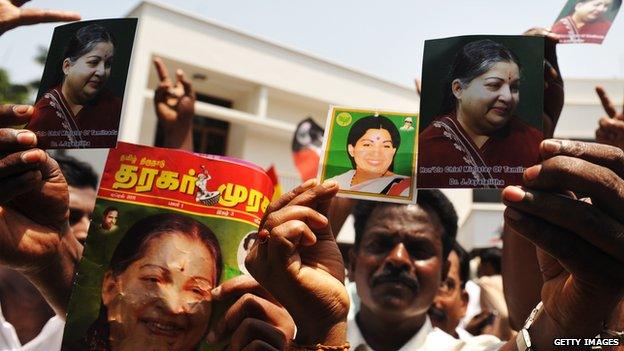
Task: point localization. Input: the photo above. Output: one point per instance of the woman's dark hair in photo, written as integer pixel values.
(133, 246)
(362, 125)
(81, 43)
(473, 60)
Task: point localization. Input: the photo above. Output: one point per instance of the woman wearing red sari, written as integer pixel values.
(80, 112)
(585, 24)
(477, 141)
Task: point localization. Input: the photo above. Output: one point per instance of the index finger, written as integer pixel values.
(34, 16)
(239, 286)
(287, 198)
(599, 154)
(606, 102)
(161, 69)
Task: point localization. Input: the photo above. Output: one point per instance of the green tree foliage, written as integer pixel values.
(12, 93)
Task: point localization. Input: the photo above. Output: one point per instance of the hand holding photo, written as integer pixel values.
(80, 98)
(585, 21)
(476, 131)
(371, 154)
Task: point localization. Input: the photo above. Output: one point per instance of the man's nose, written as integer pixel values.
(399, 258)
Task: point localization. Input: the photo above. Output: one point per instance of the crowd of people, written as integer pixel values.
(562, 269)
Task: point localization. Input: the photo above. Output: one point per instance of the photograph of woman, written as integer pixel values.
(80, 110)
(156, 290)
(477, 140)
(584, 21)
(371, 147)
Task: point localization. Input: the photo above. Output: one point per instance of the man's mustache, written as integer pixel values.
(392, 277)
(437, 313)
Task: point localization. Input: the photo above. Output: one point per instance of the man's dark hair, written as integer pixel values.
(77, 173)
(109, 209)
(464, 263)
(430, 200)
(362, 125)
(493, 256)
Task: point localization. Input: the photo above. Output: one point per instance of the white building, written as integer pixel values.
(252, 92)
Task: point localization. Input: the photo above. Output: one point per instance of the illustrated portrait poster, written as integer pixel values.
(80, 97)
(168, 227)
(585, 21)
(481, 111)
(371, 153)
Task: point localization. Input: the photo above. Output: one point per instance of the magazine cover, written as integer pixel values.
(80, 98)
(371, 153)
(168, 227)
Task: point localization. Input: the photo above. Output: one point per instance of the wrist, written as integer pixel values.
(333, 335)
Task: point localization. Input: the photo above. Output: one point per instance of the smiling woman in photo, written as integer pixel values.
(477, 127)
(80, 111)
(585, 23)
(156, 291)
(372, 144)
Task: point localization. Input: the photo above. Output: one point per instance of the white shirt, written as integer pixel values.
(49, 339)
(428, 338)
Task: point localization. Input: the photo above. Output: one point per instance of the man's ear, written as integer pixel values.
(351, 150)
(457, 88)
(110, 288)
(351, 268)
(66, 64)
(445, 269)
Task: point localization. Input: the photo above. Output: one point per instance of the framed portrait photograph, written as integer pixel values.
(371, 153)
(80, 98)
(585, 21)
(481, 111)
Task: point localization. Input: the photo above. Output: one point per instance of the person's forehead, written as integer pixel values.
(410, 220)
(81, 198)
(503, 70)
(375, 133)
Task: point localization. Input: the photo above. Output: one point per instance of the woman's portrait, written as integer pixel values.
(477, 139)
(368, 152)
(156, 289)
(585, 21)
(78, 108)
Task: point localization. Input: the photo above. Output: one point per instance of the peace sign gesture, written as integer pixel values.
(175, 107)
(11, 15)
(610, 129)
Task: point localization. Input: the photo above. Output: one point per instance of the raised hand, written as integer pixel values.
(12, 15)
(175, 107)
(254, 321)
(297, 260)
(580, 243)
(35, 237)
(611, 128)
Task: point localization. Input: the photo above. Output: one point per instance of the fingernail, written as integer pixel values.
(330, 183)
(22, 109)
(551, 146)
(308, 183)
(532, 172)
(513, 194)
(216, 292)
(32, 156)
(512, 214)
(26, 137)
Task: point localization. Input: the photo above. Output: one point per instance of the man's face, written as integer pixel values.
(449, 305)
(81, 203)
(397, 267)
(110, 220)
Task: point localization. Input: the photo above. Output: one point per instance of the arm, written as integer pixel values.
(297, 259)
(577, 287)
(610, 128)
(11, 15)
(254, 320)
(175, 107)
(35, 238)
